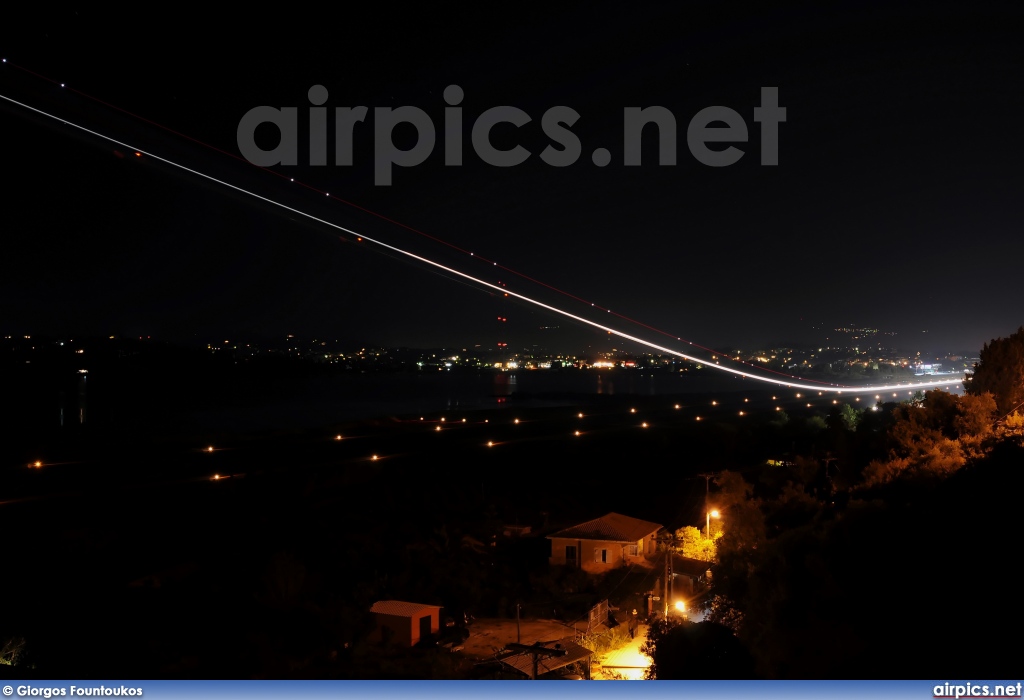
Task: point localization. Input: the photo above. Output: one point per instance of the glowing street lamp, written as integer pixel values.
(711, 514)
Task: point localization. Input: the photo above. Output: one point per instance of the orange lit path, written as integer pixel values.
(628, 661)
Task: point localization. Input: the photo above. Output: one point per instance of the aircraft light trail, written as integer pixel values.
(497, 288)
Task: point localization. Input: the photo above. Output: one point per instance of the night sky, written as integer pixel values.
(896, 203)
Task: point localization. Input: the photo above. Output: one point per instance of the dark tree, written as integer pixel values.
(1000, 371)
(696, 651)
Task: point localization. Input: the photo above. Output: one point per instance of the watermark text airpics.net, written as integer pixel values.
(711, 125)
(977, 690)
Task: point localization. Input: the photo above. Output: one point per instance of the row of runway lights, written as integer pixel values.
(578, 433)
(490, 443)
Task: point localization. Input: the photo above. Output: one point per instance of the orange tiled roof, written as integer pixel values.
(613, 527)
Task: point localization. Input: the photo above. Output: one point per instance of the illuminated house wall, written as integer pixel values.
(605, 543)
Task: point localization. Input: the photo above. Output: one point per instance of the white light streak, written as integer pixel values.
(548, 307)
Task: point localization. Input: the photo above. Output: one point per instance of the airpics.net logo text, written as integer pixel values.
(711, 125)
(977, 690)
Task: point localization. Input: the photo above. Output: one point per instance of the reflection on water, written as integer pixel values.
(625, 383)
(504, 384)
(581, 382)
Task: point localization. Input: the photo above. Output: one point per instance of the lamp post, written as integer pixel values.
(711, 514)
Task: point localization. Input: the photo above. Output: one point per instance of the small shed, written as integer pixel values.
(691, 575)
(402, 623)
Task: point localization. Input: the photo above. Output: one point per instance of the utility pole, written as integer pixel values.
(668, 574)
(519, 637)
(707, 510)
(667, 588)
(669, 542)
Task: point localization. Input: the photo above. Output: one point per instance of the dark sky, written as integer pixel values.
(896, 203)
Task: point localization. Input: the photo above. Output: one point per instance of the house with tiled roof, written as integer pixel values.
(605, 543)
(402, 623)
